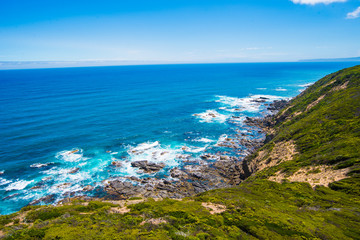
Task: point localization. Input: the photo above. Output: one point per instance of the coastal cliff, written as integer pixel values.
(315, 139)
(302, 183)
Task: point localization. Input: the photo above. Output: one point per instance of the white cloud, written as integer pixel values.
(313, 2)
(354, 14)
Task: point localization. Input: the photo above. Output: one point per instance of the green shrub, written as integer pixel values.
(43, 214)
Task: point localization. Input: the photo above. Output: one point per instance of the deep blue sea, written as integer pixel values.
(61, 129)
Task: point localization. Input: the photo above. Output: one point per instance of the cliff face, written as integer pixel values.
(316, 138)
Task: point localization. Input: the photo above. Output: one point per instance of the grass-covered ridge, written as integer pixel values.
(323, 125)
(257, 209)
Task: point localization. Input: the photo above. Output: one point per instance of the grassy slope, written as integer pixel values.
(329, 132)
(257, 209)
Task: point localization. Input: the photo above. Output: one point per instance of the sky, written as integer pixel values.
(178, 30)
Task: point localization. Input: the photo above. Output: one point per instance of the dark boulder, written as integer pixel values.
(47, 199)
(148, 166)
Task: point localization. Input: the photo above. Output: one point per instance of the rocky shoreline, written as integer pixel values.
(208, 171)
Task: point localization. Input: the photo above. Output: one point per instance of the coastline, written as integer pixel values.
(208, 172)
(260, 207)
(82, 157)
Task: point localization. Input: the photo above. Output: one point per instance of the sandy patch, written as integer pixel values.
(214, 208)
(120, 210)
(286, 109)
(329, 83)
(284, 113)
(292, 116)
(282, 151)
(295, 114)
(323, 176)
(154, 221)
(337, 88)
(22, 217)
(311, 105)
(124, 203)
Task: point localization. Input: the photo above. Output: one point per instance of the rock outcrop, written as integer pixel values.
(148, 166)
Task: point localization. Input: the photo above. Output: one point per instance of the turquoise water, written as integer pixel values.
(57, 121)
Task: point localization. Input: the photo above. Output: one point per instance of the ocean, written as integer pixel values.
(62, 129)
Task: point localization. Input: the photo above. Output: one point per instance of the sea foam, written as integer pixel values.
(211, 116)
(194, 149)
(280, 89)
(143, 147)
(305, 85)
(251, 103)
(205, 140)
(18, 185)
(40, 165)
(73, 155)
(4, 181)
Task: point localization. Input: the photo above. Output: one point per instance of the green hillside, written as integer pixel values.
(324, 123)
(304, 184)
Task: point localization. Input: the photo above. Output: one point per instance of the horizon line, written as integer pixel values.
(24, 65)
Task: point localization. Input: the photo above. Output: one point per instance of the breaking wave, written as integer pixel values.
(18, 185)
(211, 116)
